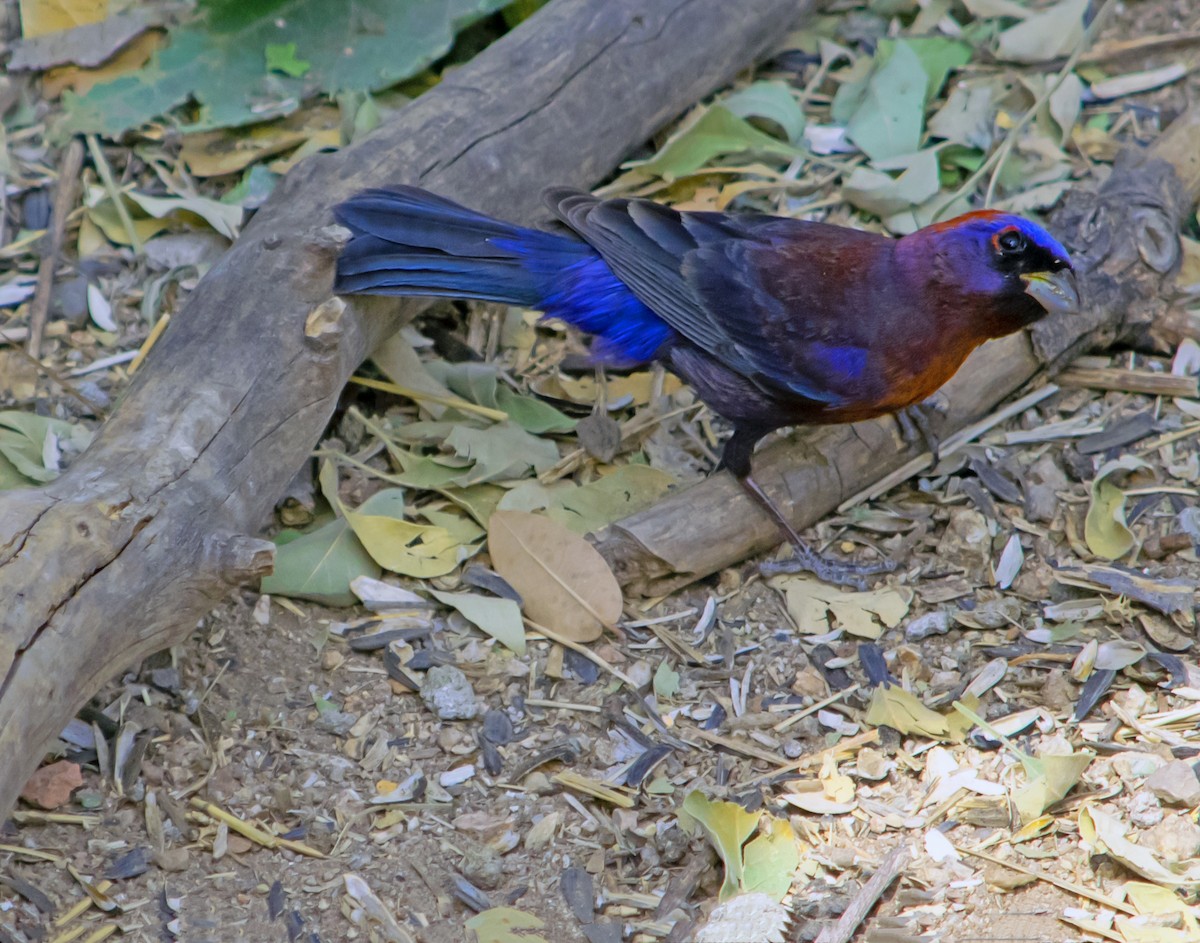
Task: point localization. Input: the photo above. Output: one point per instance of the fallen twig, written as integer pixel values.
(887, 872)
(64, 199)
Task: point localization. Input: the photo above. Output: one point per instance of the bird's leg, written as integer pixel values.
(917, 422)
(804, 558)
(737, 459)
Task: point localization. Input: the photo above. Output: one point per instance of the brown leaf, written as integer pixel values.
(565, 583)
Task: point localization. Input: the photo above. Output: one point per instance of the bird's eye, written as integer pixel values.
(1010, 241)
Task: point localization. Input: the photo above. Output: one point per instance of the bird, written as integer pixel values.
(773, 321)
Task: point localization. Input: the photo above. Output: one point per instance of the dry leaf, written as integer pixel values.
(1104, 527)
(565, 583)
(1107, 832)
(809, 602)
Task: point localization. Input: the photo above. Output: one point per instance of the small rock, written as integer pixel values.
(1175, 784)
(52, 785)
(932, 623)
(967, 543)
(640, 673)
(172, 859)
(1043, 479)
(1133, 764)
(1144, 810)
(482, 866)
(336, 722)
(448, 693)
(1175, 839)
(873, 765)
(165, 679)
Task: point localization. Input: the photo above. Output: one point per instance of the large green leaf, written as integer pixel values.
(23, 444)
(320, 565)
(244, 61)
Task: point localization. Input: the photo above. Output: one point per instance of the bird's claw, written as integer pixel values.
(838, 572)
(917, 423)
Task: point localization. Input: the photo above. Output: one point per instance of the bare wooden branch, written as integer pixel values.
(118, 558)
(64, 199)
(889, 869)
(1129, 381)
(1124, 237)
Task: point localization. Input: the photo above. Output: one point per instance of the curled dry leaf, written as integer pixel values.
(565, 583)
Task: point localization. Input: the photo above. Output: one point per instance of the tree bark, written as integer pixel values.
(120, 556)
(1124, 238)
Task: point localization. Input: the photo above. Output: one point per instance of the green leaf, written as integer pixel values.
(500, 452)
(586, 508)
(320, 565)
(884, 195)
(892, 706)
(666, 681)
(23, 441)
(771, 860)
(499, 618)
(968, 116)
(939, 56)
(716, 133)
(218, 60)
(772, 101)
(281, 57)
(481, 384)
(889, 120)
(1047, 35)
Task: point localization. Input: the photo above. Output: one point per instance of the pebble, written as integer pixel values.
(932, 623)
(1144, 810)
(449, 694)
(1175, 784)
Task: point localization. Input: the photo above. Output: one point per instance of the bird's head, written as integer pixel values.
(1012, 267)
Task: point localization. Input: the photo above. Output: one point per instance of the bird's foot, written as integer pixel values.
(838, 572)
(918, 423)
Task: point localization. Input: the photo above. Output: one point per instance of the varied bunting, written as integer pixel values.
(773, 321)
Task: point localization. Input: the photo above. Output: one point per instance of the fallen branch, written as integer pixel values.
(148, 530)
(1124, 238)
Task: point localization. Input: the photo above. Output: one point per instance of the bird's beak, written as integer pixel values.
(1054, 291)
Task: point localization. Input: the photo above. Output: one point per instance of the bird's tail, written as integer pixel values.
(408, 241)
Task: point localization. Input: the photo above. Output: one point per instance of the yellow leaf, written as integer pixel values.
(1104, 528)
(810, 601)
(566, 584)
(894, 707)
(133, 55)
(215, 153)
(727, 825)
(420, 550)
(39, 17)
(505, 925)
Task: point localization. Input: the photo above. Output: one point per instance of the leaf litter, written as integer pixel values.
(1077, 572)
